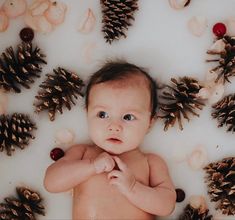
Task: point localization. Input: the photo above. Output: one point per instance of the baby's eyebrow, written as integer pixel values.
(98, 106)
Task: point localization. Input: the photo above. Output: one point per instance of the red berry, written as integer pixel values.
(219, 29)
(56, 153)
(26, 34)
(180, 195)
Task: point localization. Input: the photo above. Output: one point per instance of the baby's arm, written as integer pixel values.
(73, 169)
(68, 171)
(158, 198)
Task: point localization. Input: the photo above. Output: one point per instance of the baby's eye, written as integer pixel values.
(129, 117)
(102, 114)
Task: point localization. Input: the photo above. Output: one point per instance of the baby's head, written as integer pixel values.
(121, 102)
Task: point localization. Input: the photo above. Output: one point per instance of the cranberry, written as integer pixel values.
(56, 153)
(219, 29)
(180, 195)
(26, 34)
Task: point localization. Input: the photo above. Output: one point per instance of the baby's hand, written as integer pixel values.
(103, 163)
(122, 178)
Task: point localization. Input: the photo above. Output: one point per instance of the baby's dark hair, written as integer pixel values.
(119, 70)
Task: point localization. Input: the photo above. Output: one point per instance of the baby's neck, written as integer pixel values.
(122, 154)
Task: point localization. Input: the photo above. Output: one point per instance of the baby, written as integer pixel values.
(113, 179)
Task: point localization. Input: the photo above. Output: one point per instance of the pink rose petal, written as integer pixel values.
(217, 93)
(177, 4)
(43, 25)
(198, 202)
(218, 46)
(30, 20)
(14, 8)
(88, 23)
(40, 9)
(88, 52)
(204, 93)
(198, 158)
(55, 14)
(4, 21)
(64, 136)
(197, 25)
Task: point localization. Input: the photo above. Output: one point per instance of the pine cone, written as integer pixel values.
(191, 213)
(22, 208)
(116, 17)
(59, 89)
(15, 132)
(224, 111)
(19, 69)
(226, 62)
(221, 184)
(181, 99)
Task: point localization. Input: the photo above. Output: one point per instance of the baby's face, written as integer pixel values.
(119, 114)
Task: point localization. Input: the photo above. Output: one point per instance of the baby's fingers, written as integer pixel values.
(122, 166)
(114, 174)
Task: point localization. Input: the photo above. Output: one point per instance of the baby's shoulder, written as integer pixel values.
(155, 160)
(77, 150)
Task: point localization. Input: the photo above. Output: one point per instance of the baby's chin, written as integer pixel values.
(115, 149)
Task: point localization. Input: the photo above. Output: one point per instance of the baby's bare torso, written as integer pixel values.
(97, 199)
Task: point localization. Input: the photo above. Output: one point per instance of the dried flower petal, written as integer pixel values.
(217, 93)
(197, 25)
(88, 23)
(55, 14)
(198, 202)
(198, 158)
(43, 25)
(89, 52)
(41, 8)
(218, 46)
(204, 93)
(179, 4)
(36, 3)
(4, 21)
(14, 8)
(30, 20)
(211, 77)
(64, 136)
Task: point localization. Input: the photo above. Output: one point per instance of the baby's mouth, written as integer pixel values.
(114, 140)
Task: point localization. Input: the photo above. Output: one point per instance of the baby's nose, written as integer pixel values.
(115, 127)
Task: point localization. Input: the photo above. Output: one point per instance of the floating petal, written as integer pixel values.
(43, 25)
(204, 93)
(30, 20)
(88, 23)
(218, 46)
(198, 158)
(55, 14)
(198, 202)
(41, 8)
(4, 21)
(64, 136)
(178, 4)
(14, 8)
(197, 25)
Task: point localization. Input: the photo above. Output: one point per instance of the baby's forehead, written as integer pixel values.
(130, 80)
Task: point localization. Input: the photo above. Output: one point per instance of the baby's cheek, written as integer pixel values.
(96, 132)
(137, 136)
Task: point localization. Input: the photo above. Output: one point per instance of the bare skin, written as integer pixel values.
(113, 179)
